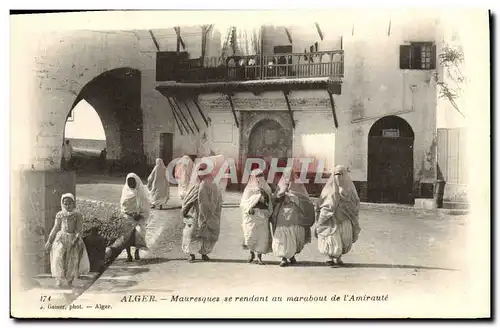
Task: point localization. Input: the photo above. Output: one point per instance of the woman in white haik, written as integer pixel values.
(183, 171)
(337, 217)
(158, 187)
(201, 214)
(256, 206)
(134, 204)
(293, 216)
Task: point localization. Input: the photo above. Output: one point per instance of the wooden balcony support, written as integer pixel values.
(286, 93)
(180, 111)
(154, 40)
(191, 115)
(170, 101)
(229, 97)
(195, 100)
(332, 103)
(175, 116)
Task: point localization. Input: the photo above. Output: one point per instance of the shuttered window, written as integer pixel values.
(417, 55)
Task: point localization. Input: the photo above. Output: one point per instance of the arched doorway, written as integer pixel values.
(390, 161)
(268, 140)
(116, 97)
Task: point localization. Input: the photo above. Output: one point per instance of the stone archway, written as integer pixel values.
(116, 97)
(390, 161)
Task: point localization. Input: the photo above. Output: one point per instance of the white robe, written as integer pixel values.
(159, 191)
(135, 202)
(256, 226)
(337, 224)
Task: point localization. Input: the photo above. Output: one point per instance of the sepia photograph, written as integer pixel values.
(250, 164)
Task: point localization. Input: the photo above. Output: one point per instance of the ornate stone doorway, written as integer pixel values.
(265, 135)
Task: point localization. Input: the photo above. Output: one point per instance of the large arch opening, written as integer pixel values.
(390, 161)
(115, 95)
(85, 133)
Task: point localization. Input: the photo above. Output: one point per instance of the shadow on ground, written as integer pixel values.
(306, 264)
(112, 284)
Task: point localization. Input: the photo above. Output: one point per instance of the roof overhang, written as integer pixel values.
(171, 89)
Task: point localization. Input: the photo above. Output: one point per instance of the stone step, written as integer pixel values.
(425, 203)
(455, 205)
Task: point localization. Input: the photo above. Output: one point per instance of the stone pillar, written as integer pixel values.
(33, 212)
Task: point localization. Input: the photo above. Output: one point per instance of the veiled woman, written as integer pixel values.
(68, 254)
(158, 187)
(201, 214)
(256, 206)
(292, 218)
(135, 209)
(337, 223)
(183, 171)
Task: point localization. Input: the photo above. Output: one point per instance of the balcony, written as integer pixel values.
(325, 64)
(179, 76)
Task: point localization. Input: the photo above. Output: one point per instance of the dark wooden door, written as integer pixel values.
(390, 170)
(166, 147)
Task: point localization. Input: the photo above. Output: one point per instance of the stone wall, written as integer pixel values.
(88, 144)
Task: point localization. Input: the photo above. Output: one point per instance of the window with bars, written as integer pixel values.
(417, 55)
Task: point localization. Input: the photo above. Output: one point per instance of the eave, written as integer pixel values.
(189, 90)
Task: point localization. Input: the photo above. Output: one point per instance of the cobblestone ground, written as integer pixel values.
(415, 258)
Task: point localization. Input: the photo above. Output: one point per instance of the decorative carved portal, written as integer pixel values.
(265, 135)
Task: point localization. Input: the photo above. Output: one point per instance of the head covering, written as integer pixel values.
(256, 182)
(295, 192)
(200, 172)
(63, 208)
(218, 161)
(183, 168)
(139, 196)
(339, 188)
(159, 172)
(251, 195)
(339, 198)
(346, 186)
(159, 163)
(183, 171)
(289, 182)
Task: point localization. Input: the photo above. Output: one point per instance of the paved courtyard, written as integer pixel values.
(413, 257)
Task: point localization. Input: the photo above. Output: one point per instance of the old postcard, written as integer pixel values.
(232, 164)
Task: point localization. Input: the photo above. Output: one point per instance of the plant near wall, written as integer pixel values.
(452, 80)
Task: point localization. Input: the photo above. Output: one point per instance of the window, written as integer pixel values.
(282, 49)
(284, 62)
(417, 55)
(390, 133)
(169, 64)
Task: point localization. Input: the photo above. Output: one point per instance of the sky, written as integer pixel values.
(86, 124)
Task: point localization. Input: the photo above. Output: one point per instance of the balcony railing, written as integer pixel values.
(276, 66)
